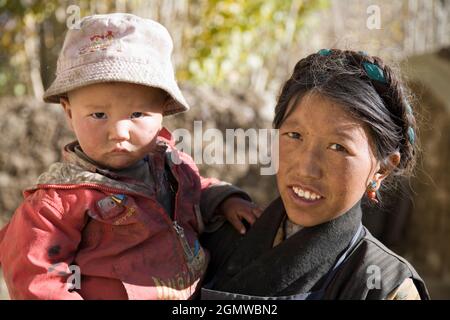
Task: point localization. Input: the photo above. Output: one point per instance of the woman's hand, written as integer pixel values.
(235, 209)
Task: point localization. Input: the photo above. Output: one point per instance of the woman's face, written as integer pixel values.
(326, 161)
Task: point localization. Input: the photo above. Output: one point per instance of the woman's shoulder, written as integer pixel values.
(407, 290)
(373, 271)
(377, 253)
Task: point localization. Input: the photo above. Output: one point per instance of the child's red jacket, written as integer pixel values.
(83, 235)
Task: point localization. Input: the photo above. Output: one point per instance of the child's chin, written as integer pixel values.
(119, 165)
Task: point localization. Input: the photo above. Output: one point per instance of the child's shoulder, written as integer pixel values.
(61, 173)
(166, 143)
(59, 186)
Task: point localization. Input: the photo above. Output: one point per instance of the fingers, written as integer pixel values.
(237, 224)
(257, 211)
(236, 209)
(248, 215)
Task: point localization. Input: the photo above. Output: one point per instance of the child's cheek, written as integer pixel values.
(89, 132)
(86, 125)
(148, 129)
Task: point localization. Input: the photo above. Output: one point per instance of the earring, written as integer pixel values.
(371, 191)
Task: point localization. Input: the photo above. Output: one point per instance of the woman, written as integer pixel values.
(346, 128)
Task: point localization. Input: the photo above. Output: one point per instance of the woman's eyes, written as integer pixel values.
(338, 147)
(294, 135)
(334, 146)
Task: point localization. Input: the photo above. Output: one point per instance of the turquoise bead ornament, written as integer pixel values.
(374, 72)
(324, 52)
(411, 135)
(408, 108)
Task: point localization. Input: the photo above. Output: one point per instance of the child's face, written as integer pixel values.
(116, 124)
(325, 150)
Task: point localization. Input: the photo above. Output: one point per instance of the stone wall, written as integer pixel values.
(427, 238)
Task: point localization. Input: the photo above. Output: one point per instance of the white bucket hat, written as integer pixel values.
(117, 47)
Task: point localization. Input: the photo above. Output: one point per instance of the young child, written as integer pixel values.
(120, 217)
(345, 127)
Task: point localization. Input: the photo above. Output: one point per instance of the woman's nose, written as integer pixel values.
(119, 131)
(310, 163)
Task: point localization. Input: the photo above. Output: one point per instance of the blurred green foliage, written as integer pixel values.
(235, 38)
(220, 40)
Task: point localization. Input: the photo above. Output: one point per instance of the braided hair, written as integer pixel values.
(368, 88)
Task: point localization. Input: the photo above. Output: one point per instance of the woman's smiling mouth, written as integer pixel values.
(304, 196)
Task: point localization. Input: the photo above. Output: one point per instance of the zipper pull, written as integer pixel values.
(179, 229)
(186, 247)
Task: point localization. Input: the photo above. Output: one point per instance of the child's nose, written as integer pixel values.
(119, 131)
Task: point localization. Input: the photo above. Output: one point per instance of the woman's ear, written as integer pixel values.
(387, 166)
(67, 110)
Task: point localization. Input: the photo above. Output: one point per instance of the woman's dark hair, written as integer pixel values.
(382, 105)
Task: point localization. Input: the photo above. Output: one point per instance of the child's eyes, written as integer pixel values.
(338, 147)
(137, 115)
(294, 135)
(99, 115)
(102, 115)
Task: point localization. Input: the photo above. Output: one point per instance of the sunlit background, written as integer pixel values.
(231, 57)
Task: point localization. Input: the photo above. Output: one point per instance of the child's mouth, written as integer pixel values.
(119, 150)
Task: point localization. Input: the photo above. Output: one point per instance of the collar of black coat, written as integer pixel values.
(299, 264)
